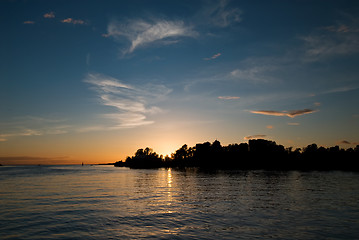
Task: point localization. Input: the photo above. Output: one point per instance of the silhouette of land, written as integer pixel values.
(256, 154)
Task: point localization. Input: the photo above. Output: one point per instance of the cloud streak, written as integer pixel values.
(220, 14)
(141, 33)
(335, 40)
(228, 97)
(131, 104)
(213, 57)
(49, 15)
(258, 72)
(345, 142)
(291, 114)
(73, 21)
(32, 126)
(28, 22)
(342, 28)
(340, 89)
(255, 137)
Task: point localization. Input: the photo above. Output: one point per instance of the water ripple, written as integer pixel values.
(102, 202)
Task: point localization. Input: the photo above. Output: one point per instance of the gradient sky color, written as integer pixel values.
(93, 81)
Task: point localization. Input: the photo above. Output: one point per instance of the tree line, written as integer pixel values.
(256, 154)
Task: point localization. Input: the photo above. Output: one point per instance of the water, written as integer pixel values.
(104, 202)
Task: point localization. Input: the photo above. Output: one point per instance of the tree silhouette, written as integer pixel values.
(256, 154)
(144, 159)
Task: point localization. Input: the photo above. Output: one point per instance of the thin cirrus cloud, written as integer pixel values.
(255, 137)
(340, 89)
(49, 15)
(228, 97)
(342, 28)
(254, 73)
(141, 33)
(28, 132)
(28, 22)
(32, 126)
(291, 114)
(131, 104)
(213, 57)
(348, 143)
(341, 39)
(73, 21)
(320, 47)
(220, 14)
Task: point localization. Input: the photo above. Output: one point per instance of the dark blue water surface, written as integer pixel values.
(104, 202)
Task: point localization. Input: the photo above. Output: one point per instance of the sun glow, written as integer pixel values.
(166, 149)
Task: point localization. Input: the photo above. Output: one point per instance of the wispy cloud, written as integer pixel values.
(28, 22)
(340, 89)
(66, 20)
(213, 57)
(73, 21)
(49, 15)
(22, 131)
(291, 114)
(334, 40)
(249, 71)
(254, 73)
(220, 13)
(255, 137)
(129, 119)
(141, 33)
(342, 28)
(32, 126)
(228, 97)
(345, 142)
(132, 104)
(320, 47)
(269, 127)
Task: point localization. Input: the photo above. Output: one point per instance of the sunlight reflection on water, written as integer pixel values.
(103, 202)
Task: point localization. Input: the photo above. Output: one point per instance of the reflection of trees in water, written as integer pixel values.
(256, 154)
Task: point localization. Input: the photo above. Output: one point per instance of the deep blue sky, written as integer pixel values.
(95, 80)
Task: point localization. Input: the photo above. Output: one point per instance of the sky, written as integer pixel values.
(93, 81)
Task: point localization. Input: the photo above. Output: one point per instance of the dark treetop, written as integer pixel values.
(256, 154)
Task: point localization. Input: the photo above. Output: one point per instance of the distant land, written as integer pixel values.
(256, 154)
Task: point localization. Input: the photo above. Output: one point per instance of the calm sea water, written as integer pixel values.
(104, 202)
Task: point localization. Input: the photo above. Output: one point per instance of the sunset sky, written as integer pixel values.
(93, 81)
